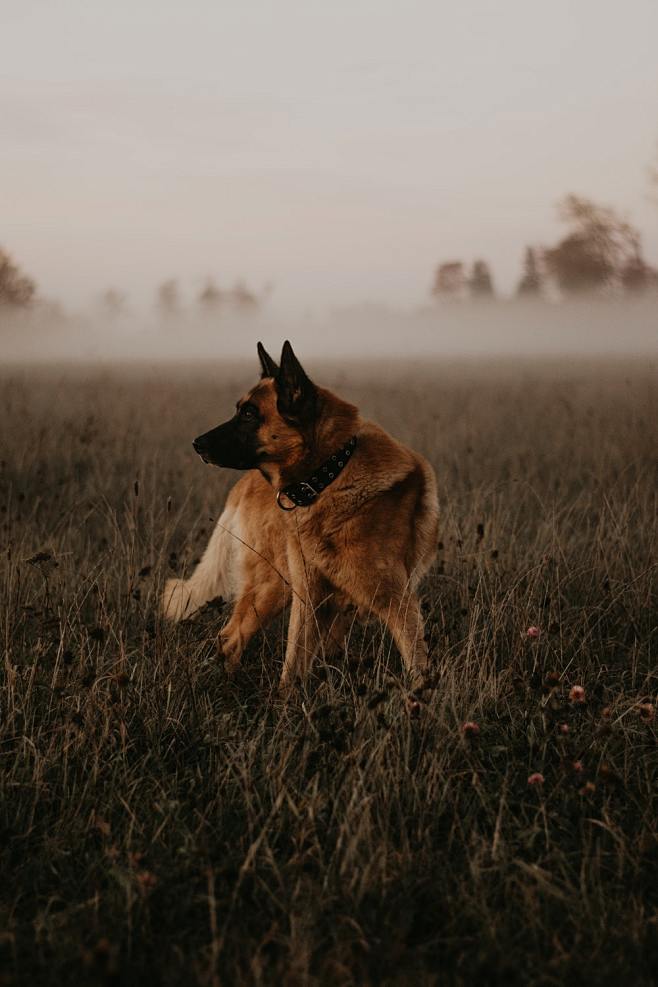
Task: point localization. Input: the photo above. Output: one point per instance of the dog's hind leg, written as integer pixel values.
(404, 619)
(334, 628)
(215, 575)
(398, 607)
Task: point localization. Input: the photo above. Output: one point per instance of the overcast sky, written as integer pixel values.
(337, 150)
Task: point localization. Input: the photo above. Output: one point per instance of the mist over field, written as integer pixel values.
(497, 328)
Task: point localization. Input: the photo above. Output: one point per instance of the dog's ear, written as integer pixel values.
(270, 368)
(296, 394)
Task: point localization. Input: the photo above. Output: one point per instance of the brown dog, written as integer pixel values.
(334, 516)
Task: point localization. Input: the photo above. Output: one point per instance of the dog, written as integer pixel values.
(333, 517)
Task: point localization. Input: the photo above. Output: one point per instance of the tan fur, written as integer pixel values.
(362, 546)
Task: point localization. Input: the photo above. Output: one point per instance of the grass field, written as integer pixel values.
(161, 823)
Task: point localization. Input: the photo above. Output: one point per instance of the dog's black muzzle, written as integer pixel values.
(226, 446)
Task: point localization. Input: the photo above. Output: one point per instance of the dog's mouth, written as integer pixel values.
(227, 462)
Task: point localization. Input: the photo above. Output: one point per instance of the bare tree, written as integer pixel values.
(480, 283)
(17, 290)
(168, 301)
(449, 281)
(243, 299)
(637, 276)
(594, 253)
(210, 297)
(114, 302)
(532, 280)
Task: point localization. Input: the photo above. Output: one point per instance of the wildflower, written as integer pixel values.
(100, 824)
(533, 632)
(536, 778)
(577, 694)
(146, 881)
(588, 788)
(606, 712)
(470, 729)
(646, 711)
(564, 728)
(607, 776)
(578, 767)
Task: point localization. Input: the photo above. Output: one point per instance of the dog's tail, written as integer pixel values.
(214, 576)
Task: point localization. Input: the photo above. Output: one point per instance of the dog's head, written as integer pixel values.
(273, 422)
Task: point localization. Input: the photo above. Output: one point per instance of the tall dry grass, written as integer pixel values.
(163, 823)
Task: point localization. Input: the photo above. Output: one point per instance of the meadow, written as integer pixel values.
(163, 823)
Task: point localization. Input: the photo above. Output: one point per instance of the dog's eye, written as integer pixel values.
(248, 412)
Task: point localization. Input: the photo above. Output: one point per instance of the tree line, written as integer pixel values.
(19, 291)
(211, 299)
(600, 252)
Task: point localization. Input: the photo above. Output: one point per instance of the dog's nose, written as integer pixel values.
(199, 445)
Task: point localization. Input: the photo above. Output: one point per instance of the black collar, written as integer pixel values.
(304, 493)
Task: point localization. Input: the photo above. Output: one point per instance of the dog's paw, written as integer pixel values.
(229, 647)
(285, 689)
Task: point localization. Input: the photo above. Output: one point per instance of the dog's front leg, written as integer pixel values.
(255, 609)
(303, 637)
(309, 592)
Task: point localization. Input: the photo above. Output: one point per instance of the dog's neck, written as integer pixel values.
(336, 422)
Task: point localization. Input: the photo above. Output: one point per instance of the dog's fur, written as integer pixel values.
(360, 548)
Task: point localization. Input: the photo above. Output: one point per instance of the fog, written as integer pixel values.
(506, 328)
(328, 158)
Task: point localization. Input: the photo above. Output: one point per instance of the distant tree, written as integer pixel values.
(480, 283)
(114, 302)
(637, 276)
(16, 289)
(449, 281)
(532, 281)
(168, 302)
(595, 251)
(210, 297)
(243, 299)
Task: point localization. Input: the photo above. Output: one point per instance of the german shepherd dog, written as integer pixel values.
(333, 516)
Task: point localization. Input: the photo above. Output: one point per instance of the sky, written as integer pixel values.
(335, 151)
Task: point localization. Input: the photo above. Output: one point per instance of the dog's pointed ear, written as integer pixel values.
(270, 368)
(296, 394)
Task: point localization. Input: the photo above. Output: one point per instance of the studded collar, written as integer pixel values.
(304, 493)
